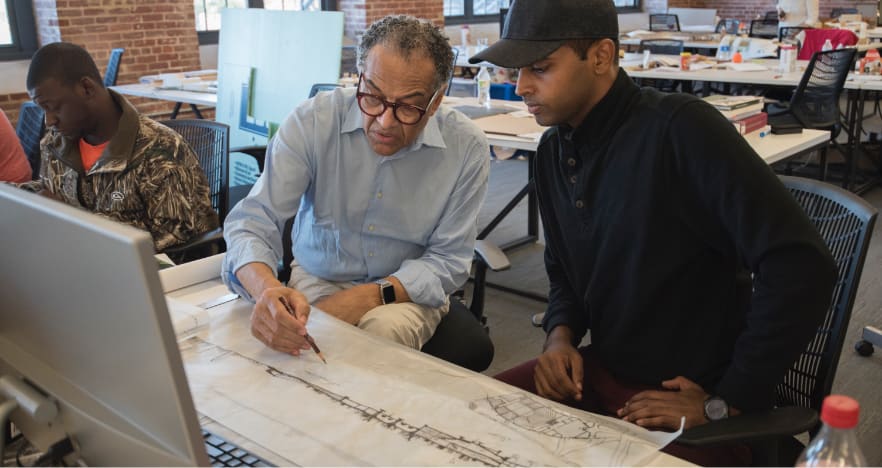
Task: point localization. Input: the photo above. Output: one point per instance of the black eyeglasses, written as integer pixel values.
(375, 106)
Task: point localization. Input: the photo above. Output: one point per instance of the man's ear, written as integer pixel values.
(438, 98)
(88, 86)
(605, 53)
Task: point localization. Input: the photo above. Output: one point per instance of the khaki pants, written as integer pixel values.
(406, 323)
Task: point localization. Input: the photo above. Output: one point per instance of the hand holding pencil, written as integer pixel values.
(309, 339)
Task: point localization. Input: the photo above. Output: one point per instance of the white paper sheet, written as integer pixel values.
(380, 404)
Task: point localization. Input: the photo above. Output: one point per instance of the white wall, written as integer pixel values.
(14, 75)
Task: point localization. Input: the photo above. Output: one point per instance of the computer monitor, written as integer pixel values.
(83, 320)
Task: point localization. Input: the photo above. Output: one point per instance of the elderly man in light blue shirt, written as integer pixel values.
(386, 186)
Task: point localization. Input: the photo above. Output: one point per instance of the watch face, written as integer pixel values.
(387, 289)
(715, 408)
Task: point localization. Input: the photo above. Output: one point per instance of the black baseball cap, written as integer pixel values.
(536, 28)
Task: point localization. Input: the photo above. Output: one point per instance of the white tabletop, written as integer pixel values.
(173, 95)
(771, 148)
(308, 413)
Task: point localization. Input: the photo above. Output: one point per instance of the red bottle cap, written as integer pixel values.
(840, 411)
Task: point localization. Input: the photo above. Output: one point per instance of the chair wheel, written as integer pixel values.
(864, 348)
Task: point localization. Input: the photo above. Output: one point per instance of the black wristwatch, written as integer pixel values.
(716, 408)
(387, 291)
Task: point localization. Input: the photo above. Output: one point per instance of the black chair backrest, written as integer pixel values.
(771, 15)
(113, 67)
(815, 103)
(319, 87)
(837, 12)
(503, 12)
(845, 221)
(731, 25)
(30, 128)
(662, 46)
(764, 28)
(211, 142)
(664, 22)
(452, 69)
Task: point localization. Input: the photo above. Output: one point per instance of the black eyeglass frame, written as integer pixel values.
(359, 95)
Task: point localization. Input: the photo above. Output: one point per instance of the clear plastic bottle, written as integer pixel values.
(827, 45)
(836, 442)
(483, 82)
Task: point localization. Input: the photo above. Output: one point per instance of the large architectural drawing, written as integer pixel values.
(382, 405)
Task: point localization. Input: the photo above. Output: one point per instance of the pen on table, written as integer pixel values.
(308, 338)
(766, 131)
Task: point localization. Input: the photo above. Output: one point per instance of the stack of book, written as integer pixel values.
(745, 112)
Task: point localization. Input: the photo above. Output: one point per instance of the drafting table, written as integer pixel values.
(298, 411)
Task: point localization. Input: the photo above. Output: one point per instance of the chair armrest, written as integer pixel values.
(214, 236)
(256, 152)
(491, 255)
(778, 422)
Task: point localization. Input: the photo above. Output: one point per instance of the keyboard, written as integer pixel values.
(223, 453)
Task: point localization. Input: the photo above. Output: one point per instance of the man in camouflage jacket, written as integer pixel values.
(146, 176)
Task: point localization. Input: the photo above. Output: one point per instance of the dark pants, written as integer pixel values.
(604, 394)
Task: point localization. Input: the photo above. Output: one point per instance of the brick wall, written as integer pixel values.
(359, 14)
(749, 9)
(157, 35)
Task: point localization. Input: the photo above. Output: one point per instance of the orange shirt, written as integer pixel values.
(90, 154)
(14, 165)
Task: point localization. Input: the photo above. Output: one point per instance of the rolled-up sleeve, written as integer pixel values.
(445, 265)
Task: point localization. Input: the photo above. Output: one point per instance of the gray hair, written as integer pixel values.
(409, 35)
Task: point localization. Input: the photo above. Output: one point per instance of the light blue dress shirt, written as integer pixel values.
(362, 216)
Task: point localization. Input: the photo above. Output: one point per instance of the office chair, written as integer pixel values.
(837, 12)
(664, 47)
(462, 336)
(730, 25)
(845, 221)
(771, 15)
(211, 142)
(30, 128)
(764, 28)
(664, 22)
(319, 87)
(815, 103)
(113, 67)
(452, 69)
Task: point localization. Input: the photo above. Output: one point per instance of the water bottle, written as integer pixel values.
(836, 442)
(827, 46)
(483, 80)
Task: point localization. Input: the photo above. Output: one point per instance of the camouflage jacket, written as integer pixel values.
(147, 177)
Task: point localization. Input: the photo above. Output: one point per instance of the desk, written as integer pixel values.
(688, 41)
(177, 96)
(298, 411)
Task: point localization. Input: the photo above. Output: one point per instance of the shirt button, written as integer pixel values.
(572, 179)
(371, 227)
(579, 204)
(370, 254)
(379, 195)
(571, 162)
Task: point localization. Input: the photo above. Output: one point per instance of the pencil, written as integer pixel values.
(308, 338)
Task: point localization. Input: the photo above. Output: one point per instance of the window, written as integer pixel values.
(18, 33)
(624, 6)
(487, 11)
(468, 11)
(208, 12)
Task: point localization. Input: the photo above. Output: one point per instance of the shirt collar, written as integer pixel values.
(430, 136)
(607, 114)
